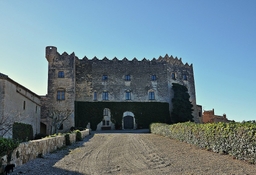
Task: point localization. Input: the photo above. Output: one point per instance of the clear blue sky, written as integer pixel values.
(218, 37)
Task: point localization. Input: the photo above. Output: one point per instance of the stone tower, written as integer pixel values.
(61, 85)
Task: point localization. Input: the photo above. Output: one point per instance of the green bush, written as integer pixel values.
(22, 132)
(236, 139)
(67, 139)
(39, 136)
(78, 135)
(7, 146)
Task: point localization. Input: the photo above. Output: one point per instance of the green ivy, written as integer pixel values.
(145, 113)
(182, 107)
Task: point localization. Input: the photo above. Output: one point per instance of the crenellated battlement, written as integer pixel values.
(51, 52)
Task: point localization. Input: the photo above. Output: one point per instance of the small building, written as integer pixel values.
(17, 104)
(210, 117)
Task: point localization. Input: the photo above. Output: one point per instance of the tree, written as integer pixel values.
(182, 107)
(58, 117)
(7, 121)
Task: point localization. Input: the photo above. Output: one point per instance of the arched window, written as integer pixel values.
(106, 112)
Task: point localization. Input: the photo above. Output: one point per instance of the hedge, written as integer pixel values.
(145, 113)
(22, 132)
(236, 139)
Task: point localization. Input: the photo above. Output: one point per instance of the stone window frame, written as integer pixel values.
(61, 74)
(151, 95)
(173, 75)
(95, 96)
(61, 93)
(153, 77)
(104, 77)
(106, 112)
(185, 77)
(128, 95)
(127, 77)
(105, 95)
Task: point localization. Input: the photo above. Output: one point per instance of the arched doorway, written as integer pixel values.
(128, 120)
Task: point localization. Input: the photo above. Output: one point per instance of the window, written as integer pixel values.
(173, 76)
(60, 74)
(185, 77)
(95, 96)
(106, 112)
(153, 77)
(24, 105)
(151, 95)
(61, 94)
(105, 96)
(103, 122)
(61, 127)
(104, 78)
(36, 109)
(127, 78)
(127, 95)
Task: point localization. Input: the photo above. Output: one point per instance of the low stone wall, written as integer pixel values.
(27, 151)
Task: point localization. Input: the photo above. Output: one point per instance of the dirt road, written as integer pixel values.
(147, 154)
(130, 153)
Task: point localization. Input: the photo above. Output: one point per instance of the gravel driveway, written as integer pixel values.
(134, 153)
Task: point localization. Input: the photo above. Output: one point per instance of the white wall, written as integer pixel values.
(13, 106)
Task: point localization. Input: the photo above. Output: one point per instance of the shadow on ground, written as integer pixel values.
(45, 165)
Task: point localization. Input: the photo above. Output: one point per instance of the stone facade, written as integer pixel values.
(72, 79)
(210, 117)
(18, 104)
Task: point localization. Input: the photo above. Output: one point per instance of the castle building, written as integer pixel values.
(210, 117)
(73, 81)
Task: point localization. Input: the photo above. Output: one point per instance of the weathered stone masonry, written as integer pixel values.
(89, 80)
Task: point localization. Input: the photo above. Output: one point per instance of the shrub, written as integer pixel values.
(67, 139)
(25, 135)
(236, 139)
(7, 146)
(39, 136)
(78, 135)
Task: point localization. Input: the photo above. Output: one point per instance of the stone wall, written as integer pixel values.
(27, 151)
(19, 104)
